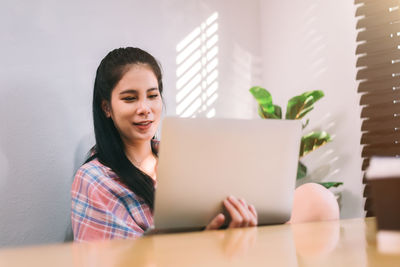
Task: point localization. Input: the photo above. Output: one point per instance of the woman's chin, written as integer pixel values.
(143, 137)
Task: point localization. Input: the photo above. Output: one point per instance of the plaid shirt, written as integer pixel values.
(104, 208)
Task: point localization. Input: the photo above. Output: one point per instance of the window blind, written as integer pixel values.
(378, 73)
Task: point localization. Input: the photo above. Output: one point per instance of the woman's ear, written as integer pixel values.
(106, 108)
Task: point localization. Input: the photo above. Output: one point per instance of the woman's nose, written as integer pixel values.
(143, 107)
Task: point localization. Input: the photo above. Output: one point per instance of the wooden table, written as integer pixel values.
(341, 243)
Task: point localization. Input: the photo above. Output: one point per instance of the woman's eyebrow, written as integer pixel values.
(128, 91)
(133, 91)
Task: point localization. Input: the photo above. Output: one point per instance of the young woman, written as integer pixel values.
(113, 192)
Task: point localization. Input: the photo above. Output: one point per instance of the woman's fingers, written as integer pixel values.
(254, 221)
(252, 213)
(216, 223)
(242, 214)
(236, 218)
(244, 210)
(239, 212)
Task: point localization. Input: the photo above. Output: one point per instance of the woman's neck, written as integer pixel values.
(141, 155)
(139, 152)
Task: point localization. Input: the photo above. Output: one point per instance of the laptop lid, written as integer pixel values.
(202, 161)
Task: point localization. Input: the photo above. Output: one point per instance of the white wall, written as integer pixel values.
(49, 53)
(310, 45)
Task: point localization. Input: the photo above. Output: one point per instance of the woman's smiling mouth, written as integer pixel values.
(143, 125)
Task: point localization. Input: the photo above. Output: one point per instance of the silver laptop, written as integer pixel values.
(203, 161)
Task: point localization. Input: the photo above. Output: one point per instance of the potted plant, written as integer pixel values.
(297, 108)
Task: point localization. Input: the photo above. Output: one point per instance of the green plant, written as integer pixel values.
(297, 108)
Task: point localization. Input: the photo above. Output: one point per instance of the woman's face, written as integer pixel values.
(136, 105)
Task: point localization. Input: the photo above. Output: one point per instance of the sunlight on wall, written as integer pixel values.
(197, 71)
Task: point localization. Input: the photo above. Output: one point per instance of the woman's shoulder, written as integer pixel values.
(94, 174)
(95, 170)
(95, 181)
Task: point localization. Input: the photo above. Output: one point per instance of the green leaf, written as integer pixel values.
(301, 171)
(300, 105)
(328, 185)
(261, 112)
(312, 141)
(266, 115)
(278, 112)
(264, 100)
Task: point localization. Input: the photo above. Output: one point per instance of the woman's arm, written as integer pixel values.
(99, 212)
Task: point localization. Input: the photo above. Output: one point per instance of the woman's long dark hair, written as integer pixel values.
(109, 149)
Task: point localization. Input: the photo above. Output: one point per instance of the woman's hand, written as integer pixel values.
(242, 214)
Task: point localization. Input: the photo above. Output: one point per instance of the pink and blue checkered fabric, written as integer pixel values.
(104, 208)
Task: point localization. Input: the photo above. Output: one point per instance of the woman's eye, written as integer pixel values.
(153, 96)
(129, 98)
